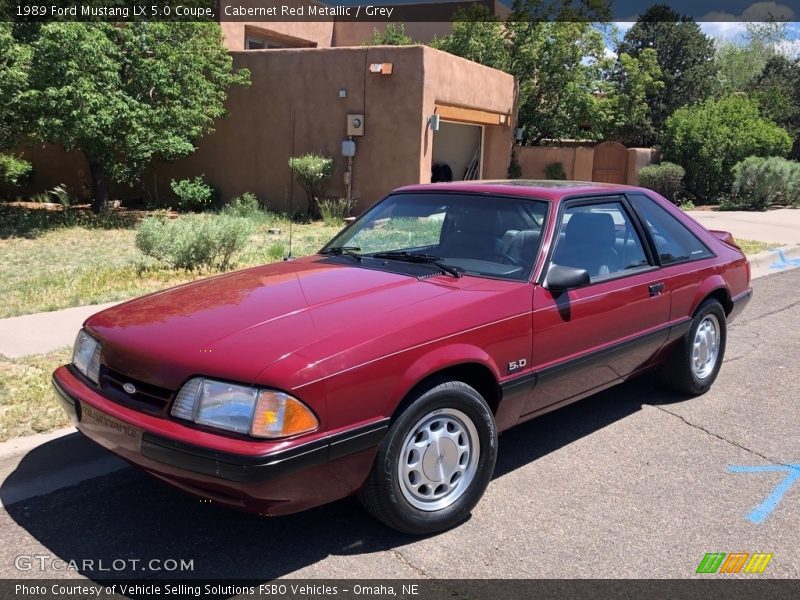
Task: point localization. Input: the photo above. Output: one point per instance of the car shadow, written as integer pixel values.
(129, 516)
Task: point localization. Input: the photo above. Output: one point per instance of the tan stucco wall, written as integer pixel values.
(319, 33)
(638, 158)
(455, 81)
(534, 159)
(293, 107)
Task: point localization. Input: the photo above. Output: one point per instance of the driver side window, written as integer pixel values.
(599, 238)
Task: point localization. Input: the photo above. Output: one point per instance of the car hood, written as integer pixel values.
(235, 325)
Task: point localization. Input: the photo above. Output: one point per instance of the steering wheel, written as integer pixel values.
(504, 258)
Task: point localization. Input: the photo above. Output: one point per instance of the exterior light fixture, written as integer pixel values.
(381, 68)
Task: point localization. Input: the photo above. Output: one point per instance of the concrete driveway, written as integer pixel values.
(634, 482)
(781, 226)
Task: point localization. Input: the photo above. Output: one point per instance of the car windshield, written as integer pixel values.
(471, 234)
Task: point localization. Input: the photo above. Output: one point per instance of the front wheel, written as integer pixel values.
(694, 365)
(435, 462)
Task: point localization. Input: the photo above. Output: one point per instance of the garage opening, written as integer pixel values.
(457, 152)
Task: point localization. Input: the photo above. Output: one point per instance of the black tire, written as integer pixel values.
(383, 494)
(677, 373)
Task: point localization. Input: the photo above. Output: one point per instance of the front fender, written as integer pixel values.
(439, 359)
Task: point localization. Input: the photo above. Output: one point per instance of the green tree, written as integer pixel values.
(740, 64)
(627, 116)
(393, 35)
(14, 64)
(478, 36)
(708, 139)
(686, 59)
(777, 91)
(557, 64)
(128, 94)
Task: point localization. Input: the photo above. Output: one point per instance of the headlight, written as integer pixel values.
(86, 356)
(243, 409)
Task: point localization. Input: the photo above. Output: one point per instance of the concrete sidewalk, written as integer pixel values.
(42, 332)
(781, 226)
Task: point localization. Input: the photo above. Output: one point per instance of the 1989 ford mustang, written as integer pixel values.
(386, 364)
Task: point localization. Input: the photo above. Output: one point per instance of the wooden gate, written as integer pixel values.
(610, 163)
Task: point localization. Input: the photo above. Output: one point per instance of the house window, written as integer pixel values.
(257, 43)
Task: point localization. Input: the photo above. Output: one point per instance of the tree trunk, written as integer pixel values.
(99, 186)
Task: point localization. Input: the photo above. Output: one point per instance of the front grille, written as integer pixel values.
(147, 398)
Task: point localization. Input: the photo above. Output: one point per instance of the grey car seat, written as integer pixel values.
(588, 243)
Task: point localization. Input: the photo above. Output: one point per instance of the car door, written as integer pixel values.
(675, 248)
(590, 337)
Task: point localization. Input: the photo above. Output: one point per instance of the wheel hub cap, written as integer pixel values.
(439, 459)
(705, 348)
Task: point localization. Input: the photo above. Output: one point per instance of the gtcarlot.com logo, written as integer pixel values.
(45, 562)
(735, 562)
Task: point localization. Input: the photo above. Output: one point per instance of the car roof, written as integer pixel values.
(544, 188)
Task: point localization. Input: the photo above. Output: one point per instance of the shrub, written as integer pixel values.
(555, 171)
(62, 194)
(193, 241)
(13, 170)
(708, 139)
(246, 206)
(335, 210)
(313, 171)
(759, 182)
(665, 178)
(193, 194)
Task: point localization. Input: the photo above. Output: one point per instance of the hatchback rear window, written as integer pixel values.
(674, 242)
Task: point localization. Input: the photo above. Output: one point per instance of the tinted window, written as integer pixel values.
(599, 238)
(674, 242)
(477, 234)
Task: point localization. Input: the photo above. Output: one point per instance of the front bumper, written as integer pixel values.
(277, 477)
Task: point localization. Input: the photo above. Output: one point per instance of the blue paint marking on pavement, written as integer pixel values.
(763, 510)
(784, 262)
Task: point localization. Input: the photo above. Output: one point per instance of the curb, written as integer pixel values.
(24, 444)
(778, 260)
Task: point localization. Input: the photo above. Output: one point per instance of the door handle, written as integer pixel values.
(656, 289)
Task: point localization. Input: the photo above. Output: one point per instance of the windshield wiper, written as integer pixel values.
(429, 259)
(353, 251)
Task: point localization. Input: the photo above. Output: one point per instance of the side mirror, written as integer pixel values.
(560, 278)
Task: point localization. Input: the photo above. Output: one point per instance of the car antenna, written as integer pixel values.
(291, 220)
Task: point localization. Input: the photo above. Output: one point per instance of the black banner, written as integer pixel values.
(715, 587)
(389, 11)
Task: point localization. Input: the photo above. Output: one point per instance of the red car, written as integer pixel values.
(386, 365)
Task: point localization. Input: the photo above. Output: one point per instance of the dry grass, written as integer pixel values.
(52, 267)
(27, 401)
(754, 246)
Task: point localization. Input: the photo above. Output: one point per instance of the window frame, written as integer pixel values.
(651, 240)
(635, 221)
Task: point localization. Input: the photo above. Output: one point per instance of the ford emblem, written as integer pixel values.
(129, 388)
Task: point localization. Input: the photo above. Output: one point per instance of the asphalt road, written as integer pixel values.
(633, 482)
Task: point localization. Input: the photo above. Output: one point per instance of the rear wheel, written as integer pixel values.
(435, 462)
(694, 365)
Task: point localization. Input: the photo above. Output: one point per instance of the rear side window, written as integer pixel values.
(674, 242)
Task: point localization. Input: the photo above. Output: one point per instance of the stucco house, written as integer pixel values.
(314, 86)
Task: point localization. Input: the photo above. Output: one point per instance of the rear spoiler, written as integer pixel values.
(724, 236)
